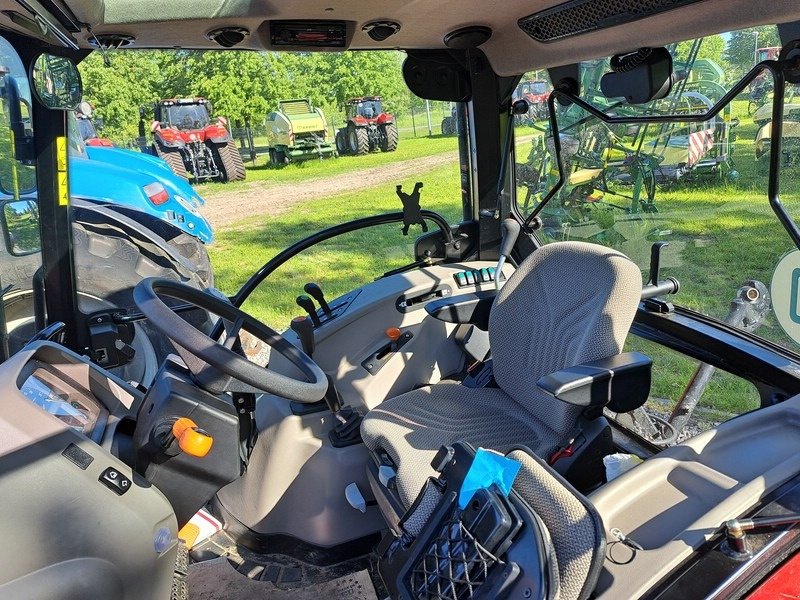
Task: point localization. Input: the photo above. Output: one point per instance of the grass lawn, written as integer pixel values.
(721, 234)
(338, 265)
(408, 148)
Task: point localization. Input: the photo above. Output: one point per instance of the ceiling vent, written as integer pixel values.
(228, 37)
(582, 16)
(111, 41)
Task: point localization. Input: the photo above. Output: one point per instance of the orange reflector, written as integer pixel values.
(191, 439)
(393, 333)
(189, 534)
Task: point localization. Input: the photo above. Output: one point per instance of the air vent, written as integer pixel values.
(582, 16)
(111, 41)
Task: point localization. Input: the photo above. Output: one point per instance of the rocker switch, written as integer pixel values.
(115, 481)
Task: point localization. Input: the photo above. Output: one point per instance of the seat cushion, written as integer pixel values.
(412, 427)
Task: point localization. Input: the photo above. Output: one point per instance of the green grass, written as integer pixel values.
(338, 265)
(262, 170)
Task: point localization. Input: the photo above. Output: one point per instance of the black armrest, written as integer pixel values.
(470, 309)
(620, 382)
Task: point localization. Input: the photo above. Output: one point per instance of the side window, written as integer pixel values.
(701, 187)
(19, 214)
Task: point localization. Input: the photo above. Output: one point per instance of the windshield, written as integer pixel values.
(369, 108)
(75, 139)
(187, 116)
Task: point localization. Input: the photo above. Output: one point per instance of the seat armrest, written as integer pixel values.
(472, 309)
(620, 382)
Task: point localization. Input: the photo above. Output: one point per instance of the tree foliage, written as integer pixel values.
(741, 47)
(241, 85)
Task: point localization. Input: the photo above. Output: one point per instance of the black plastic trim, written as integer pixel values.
(472, 309)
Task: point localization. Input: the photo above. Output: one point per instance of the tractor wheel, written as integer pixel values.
(109, 265)
(358, 139)
(341, 142)
(193, 250)
(173, 158)
(389, 138)
(448, 126)
(281, 158)
(229, 162)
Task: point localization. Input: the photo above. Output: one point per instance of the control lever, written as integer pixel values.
(655, 261)
(304, 329)
(307, 304)
(510, 230)
(313, 290)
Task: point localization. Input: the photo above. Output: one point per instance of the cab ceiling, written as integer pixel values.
(424, 23)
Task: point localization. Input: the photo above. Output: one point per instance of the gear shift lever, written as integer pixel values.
(307, 304)
(304, 329)
(510, 230)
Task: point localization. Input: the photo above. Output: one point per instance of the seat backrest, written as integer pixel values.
(567, 303)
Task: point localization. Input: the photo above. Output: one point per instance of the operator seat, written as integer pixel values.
(568, 303)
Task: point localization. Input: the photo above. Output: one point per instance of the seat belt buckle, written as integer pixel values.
(564, 452)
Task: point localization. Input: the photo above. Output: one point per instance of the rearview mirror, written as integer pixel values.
(21, 227)
(56, 82)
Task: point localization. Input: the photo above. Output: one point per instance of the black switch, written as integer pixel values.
(78, 456)
(115, 481)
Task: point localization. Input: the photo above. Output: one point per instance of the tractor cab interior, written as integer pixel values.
(580, 379)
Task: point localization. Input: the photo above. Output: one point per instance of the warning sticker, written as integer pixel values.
(63, 178)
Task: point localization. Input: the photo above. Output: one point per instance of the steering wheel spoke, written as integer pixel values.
(200, 351)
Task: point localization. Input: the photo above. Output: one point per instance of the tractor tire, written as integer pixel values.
(448, 126)
(341, 142)
(229, 162)
(358, 139)
(173, 158)
(389, 138)
(109, 265)
(195, 251)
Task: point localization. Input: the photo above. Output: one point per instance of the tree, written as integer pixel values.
(741, 47)
(117, 92)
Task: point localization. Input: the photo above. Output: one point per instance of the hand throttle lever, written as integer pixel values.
(313, 290)
(509, 230)
(307, 304)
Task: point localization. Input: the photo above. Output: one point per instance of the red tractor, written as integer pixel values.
(185, 137)
(536, 92)
(368, 127)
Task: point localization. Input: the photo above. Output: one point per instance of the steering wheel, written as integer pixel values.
(147, 295)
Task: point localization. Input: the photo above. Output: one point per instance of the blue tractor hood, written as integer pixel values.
(118, 176)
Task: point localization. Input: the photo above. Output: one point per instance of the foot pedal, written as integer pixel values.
(355, 498)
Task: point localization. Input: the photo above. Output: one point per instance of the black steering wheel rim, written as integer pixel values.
(147, 294)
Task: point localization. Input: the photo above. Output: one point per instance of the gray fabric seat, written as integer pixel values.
(575, 528)
(567, 303)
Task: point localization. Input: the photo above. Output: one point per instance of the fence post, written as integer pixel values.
(413, 122)
(428, 113)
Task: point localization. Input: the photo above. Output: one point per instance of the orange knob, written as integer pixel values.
(393, 333)
(191, 439)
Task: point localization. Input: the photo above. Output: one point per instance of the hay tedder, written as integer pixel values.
(620, 168)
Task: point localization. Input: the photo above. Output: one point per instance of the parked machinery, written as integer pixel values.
(368, 127)
(191, 144)
(297, 131)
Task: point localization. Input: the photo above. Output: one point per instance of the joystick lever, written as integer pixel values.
(313, 290)
(307, 304)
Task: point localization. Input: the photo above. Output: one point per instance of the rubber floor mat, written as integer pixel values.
(217, 579)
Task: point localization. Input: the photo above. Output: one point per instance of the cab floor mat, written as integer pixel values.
(220, 579)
